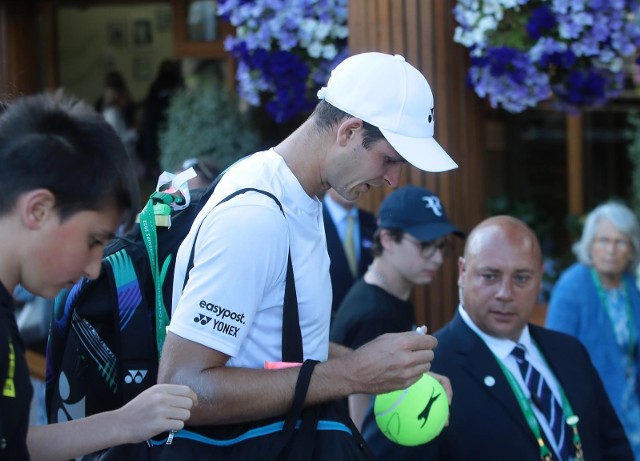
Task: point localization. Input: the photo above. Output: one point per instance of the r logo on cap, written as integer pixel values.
(433, 202)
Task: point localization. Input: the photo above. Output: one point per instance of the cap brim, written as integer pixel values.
(434, 231)
(423, 153)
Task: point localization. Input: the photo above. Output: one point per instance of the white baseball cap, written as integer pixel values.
(392, 95)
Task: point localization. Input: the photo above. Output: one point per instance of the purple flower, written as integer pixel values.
(284, 50)
(571, 51)
(562, 59)
(541, 22)
(505, 61)
(583, 88)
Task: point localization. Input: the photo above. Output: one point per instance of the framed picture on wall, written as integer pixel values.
(142, 32)
(163, 19)
(116, 33)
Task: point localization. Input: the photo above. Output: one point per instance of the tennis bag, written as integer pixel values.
(106, 334)
(104, 348)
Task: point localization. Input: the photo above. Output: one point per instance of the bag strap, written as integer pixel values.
(294, 415)
(291, 333)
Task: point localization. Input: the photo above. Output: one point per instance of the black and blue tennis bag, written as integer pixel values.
(106, 334)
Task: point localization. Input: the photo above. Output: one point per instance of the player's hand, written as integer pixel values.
(390, 362)
(446, 383)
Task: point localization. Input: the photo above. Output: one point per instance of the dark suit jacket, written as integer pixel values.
(341, 278)
(486, 423)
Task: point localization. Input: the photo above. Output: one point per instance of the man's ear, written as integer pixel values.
(348, 129)
(461, 269)
(386, 239)
(35, 207)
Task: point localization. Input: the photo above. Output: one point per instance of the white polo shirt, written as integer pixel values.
(234, 297)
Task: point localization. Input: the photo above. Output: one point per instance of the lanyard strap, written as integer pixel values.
(631, 346)
(532, 421)
(150, 237)
(9, 389)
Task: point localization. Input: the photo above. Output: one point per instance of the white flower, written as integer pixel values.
(315, 50)
(329, 52)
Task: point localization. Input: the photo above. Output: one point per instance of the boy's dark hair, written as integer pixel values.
(376, 248)
(327, 116)
(55, 142)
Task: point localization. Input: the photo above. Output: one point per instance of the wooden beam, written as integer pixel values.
(49, 12)
(422, 31)
(575, 164)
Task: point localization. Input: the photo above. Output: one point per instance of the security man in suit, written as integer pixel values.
(521, 392)
(349, 231)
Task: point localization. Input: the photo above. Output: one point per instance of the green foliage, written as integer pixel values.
(206, 122)
(540, 222)
(527, 211)
(634, 155)
(511, 30)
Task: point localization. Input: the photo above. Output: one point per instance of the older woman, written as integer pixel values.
(597, 300)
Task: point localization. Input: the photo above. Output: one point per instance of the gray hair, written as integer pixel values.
(622, 218)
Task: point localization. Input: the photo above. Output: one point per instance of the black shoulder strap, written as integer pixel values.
(295, 413)
(291, 334)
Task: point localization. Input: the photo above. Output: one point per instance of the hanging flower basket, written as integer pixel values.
(571, 52)
(285, 50)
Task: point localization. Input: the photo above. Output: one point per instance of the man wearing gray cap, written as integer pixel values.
(375, 114)
(411, 242)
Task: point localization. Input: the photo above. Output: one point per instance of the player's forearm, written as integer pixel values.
(231, 395)
(338, 350)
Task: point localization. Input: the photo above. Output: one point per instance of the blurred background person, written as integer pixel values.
(517, 386)
(119, 110)
(596, 300)
(154, 115)
(409, 248)
(349, 231)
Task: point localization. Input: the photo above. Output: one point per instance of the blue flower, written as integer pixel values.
(559, 59)
(285, 50)
(570, 51)
(541, 22)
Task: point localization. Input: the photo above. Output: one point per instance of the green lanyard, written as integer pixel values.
(148, 228)
(9, 389)
(532, 421)
(630, 319)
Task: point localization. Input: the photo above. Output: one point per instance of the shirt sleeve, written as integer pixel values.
(564, 307)
(241, 254)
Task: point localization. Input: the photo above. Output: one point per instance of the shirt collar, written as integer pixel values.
(338, 212)
(501, 347)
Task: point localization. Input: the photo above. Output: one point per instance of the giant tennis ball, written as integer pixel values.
(415, 415)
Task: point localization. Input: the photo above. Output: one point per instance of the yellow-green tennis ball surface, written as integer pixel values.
(415, 415)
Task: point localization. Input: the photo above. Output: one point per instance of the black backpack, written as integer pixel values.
(107, 333)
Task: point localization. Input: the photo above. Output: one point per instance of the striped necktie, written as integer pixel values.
(349, 247)
(543, 399)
